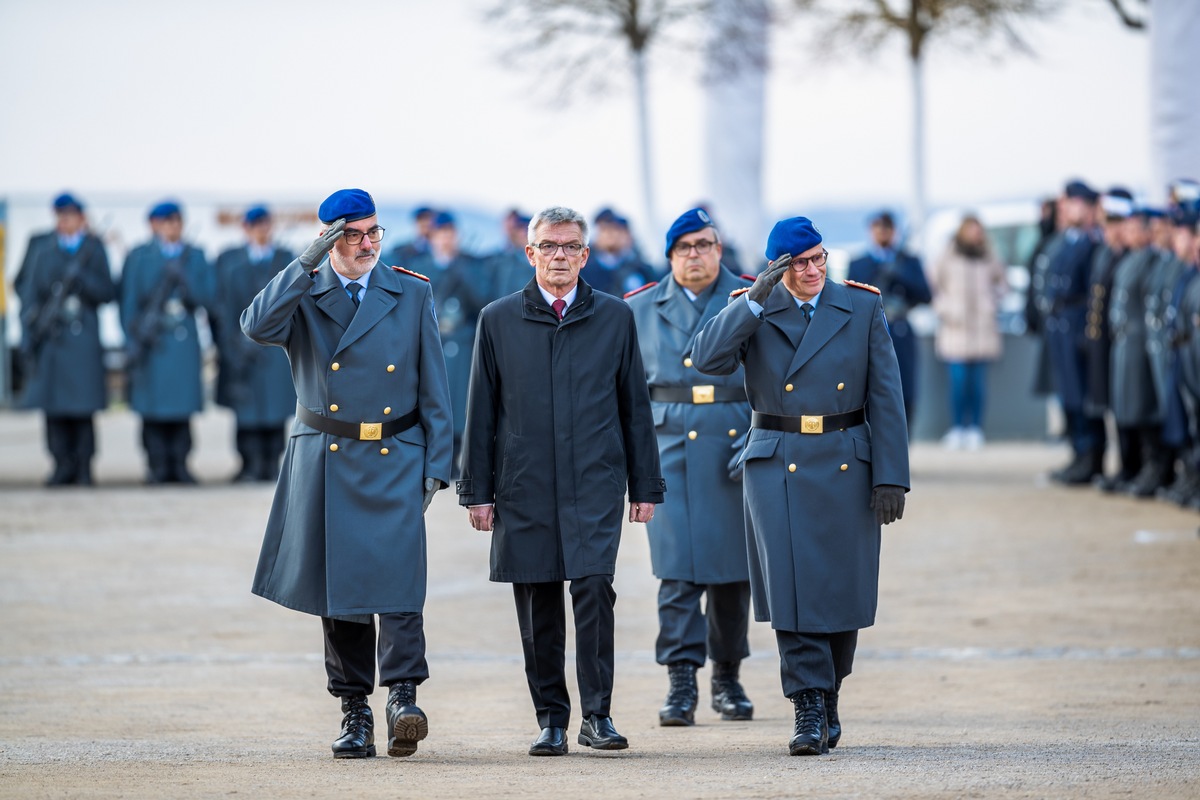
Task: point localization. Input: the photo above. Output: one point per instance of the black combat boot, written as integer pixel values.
(680, 706)
(811, 737)
(407, 724)
(358, 730)
(728, 698)
(831, 716)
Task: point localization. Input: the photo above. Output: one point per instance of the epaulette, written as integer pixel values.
(640, 289)
(751, 278)
(866, 286)
(741, 291)
(410, 272)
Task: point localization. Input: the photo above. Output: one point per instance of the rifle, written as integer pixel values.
(46, 322)
(148, 325)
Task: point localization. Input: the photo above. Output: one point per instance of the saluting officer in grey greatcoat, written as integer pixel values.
(254, 381)
(164, 284)
(559, 429)
(818, 480)
(698, 537)
(64, 278)
(370, 445)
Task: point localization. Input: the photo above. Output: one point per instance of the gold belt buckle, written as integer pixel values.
(812, 424)
(370, 431)
(703, 394)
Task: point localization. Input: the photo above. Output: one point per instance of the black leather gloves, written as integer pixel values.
(888, 503)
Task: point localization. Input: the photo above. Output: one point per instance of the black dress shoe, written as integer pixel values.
(551, 742)
(831, 717)
(728, 697)
(811, 736)
(358, 730)
(680, 707)
(598, 733)
(407, 724)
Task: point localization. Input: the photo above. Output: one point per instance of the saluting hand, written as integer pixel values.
(321, 246)
(767, 279)
(641, 512)
(482, 517)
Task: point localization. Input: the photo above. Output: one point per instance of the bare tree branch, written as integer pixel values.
(1128, 19)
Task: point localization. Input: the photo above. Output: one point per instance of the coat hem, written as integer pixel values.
(342, 612)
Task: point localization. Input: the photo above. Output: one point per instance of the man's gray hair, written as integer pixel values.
(558, 215)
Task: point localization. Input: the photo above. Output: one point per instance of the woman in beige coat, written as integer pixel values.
(968, 282)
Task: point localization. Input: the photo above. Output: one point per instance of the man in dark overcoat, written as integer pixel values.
(64, 279)
(165, 283)
(559, 429)
(254, 381)
(901, 278)
(370, 446)
(698, 537)
(818, 480)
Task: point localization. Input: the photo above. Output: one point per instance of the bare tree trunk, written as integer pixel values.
(1174, 91)
(649, 202)
(733, 134)
(918, 210)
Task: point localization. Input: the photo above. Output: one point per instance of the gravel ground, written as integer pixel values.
(1032, 641)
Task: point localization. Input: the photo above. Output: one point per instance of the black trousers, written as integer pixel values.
(687, 634)
(815, 660)
(72, 444)
(542, 618)
(261, 449)
(350, 649)
(167, 444)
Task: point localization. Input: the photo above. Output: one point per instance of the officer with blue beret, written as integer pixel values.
(64, 279)
(404, 253)
(164, 284)
(698, 538)
(370, 446)
(818, 480)
(615, 267)
(254, 381)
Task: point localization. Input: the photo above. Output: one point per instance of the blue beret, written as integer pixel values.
(1079, 189)
(422, 211)
(689, 222)
(167, 208)
(882, 217)
(792, 236)
(444, 219)
(67, 200)
(350, 204)
(256, 214)
(606, 215)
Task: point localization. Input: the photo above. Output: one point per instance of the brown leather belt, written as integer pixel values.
(365, 431)
(698, 394)
(808, 424)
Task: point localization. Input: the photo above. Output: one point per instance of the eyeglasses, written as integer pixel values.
(354, 237)
(702, 248)
(550, 248)
(817, 261)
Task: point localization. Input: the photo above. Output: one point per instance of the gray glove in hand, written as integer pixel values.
(321, 246)
(888, 502)
(431, 488)
(767, 279)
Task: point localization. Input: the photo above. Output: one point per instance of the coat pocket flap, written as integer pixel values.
(659, 410)
(862, 450)
(760, 448)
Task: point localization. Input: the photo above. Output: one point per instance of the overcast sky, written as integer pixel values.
(289, 100)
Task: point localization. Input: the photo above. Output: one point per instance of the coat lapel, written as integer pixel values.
(832, 314)
(336, 304)
(781, 311)
(377, 301)
(676, 309)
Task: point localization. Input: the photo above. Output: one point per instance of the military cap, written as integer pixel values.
(256, 214)
(794, 236)
(882, 217)
(1183, 191)
(691, 221)
(444, 219)
(348, 204)
(1077, 189)
(422, 211)
(606, 215)
(66, 201)
(1117, 203)
(165, 209)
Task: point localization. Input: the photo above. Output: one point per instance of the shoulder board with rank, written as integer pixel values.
(640, 289)
(741, 291)
(866, 286)
(410, 272)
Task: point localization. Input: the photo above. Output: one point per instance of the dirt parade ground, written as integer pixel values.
(1032, 641)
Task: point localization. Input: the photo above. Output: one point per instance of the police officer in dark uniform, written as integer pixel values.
(405, 252)
(1181, 426)
(254, 381)
(164, 284)
(901, 279)
(370, 446)
(818, 480)
(698, 538)
(508, 269)
(64, 279)
(1065, 295)
(615, 266)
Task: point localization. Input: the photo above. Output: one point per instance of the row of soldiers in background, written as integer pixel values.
(1115, 296)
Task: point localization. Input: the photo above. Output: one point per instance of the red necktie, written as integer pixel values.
(559, 305)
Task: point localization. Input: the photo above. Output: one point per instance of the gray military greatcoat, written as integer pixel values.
(346, 536)
(814, 543)
(1133, 398)
(699, 533)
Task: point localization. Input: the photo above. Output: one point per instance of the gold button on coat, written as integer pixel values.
(845, 467)
(383, 451)
(687, 362)
(841, 386)
(333, 406)
(732, 432)
(387, 410)
(691, 434)
(335, 366)
(391, 367)
(333, 448)
(791, 467)
(788, 388)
